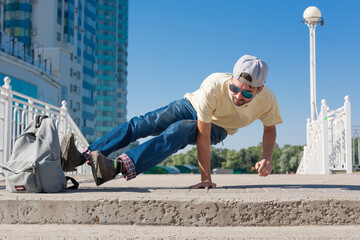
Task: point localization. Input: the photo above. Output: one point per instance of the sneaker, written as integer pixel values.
(103, 168)
(70, 156)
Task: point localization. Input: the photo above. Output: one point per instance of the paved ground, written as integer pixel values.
(94, 232)
(162, 206)
(243, 188)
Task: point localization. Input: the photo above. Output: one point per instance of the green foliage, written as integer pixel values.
(290, 158)
(356, 146)
(276, 156)
(285, 159)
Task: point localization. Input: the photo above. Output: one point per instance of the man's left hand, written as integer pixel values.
(206, 185)
(264, 167)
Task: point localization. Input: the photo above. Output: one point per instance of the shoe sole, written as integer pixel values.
(65, 146)
(97, 180)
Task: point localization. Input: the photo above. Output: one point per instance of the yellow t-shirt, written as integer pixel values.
(213, 103)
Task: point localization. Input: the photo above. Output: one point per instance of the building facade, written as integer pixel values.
(27, 76)
(16, 19)
(83, 43)
(111, 83)
(18, 60)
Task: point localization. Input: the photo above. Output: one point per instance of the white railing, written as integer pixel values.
(328, 142)
(18, 110)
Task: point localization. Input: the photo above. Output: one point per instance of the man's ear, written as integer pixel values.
(260, 89)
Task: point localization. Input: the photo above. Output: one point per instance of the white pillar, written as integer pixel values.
(308, 131)
(324, 138)
(347, 107)
(7, 119)
(313, 107)
(30, 111)
(63, 120)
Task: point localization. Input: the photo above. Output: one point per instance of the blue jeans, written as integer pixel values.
(173, 128)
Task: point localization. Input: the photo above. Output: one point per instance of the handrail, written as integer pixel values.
(16, 112)
(328, 141)
(76, 131)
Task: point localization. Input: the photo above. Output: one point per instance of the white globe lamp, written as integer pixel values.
(312, 15)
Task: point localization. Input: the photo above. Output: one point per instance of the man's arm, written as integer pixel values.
(203, 149)
(264, 166)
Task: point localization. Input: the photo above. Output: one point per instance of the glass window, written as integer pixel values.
(58, 36)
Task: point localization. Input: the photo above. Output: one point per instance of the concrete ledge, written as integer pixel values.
(180, 213)
(166, 200)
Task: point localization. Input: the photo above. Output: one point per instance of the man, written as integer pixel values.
(224, 103)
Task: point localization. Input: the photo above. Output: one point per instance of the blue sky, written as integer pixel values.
(175, 44)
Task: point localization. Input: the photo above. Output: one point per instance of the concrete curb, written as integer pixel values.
(180, 213)
(166, 200)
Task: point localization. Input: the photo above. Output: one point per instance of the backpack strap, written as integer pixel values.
(39, 119)
(76, 184)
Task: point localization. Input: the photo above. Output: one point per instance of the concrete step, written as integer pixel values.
(239, 200)
(109, 232)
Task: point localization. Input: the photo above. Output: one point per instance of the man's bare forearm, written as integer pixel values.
(269, 138)
(203, 148)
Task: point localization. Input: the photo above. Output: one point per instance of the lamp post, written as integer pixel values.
(311, 17)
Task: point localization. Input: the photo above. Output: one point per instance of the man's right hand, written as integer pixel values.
(206, 185)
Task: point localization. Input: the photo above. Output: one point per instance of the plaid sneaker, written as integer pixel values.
(70, 156)
(103, 168)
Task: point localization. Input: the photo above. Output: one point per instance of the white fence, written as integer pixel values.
(329, 146)
(18, 110)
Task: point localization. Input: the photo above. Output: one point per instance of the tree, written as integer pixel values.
(286, 159)
(275, 159)
(243, 161)
(191, 157)
(232, 160)
(216, 158)
(177, 159)
(290, 158)
(356, 149)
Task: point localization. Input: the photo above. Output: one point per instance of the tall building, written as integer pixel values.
(84, 44)
(61, 34)
(18, 59)
(86, 47)
(111, 82)
(76, 32)
(15, 19)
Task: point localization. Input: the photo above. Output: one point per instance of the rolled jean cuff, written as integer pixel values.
(130, 167)
(87, 154)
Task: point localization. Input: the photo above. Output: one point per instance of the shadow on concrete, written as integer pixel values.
(107, 190)
(296, 186)
(279, 186)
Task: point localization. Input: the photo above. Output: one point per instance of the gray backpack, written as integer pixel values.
(35, 162)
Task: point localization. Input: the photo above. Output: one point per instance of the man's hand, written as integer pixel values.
(206, 185)
(264, 167)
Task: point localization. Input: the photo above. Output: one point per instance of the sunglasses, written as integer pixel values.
(245, 94)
